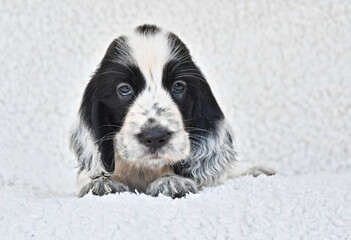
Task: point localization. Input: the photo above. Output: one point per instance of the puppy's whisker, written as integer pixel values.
(102, 140)
(197, 129)
(197, 144)
(199, 137)
(110, 136)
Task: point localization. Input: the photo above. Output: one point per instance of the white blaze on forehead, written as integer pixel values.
(150, 52)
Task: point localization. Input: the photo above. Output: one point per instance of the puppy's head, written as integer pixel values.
(148, 102)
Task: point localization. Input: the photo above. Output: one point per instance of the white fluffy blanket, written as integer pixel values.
(303, 207)
(279, 69)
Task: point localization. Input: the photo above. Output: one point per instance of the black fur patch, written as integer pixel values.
(197, 104)
(148, 29)
(103, 108)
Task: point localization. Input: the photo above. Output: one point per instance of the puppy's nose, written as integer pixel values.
(154, 138)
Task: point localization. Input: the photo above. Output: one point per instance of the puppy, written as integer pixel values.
(148, 122)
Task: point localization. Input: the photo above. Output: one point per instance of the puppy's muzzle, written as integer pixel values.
(154, 138)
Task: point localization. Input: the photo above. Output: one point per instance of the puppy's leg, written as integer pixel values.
(173, 186)
(102, 186)
(258, 170)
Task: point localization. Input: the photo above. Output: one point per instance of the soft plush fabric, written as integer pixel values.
(279, 69)
(304, 207)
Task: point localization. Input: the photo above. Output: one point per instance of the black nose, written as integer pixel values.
(154, 138)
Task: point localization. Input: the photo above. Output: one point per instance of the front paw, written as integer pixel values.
(258, 170)
(102, 186)
(172, 186)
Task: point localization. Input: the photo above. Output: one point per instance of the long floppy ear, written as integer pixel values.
(205, 112)
(212, 152)
(104, 134)
(92, 137)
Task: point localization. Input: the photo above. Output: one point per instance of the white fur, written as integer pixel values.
(88, 157)
(83, 179)
(150, 54)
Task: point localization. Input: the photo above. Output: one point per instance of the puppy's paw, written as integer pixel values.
(173, 186)
(102, 186)
(258, 170)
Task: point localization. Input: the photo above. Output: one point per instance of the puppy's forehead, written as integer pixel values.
(150, 52)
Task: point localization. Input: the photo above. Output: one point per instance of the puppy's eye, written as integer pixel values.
(178, 87)
(124, 89)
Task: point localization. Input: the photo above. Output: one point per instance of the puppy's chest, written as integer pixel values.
(138, 177)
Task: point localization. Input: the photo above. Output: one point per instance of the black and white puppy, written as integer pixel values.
(149, 122)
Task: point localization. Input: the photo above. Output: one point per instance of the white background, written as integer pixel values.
(281, 71)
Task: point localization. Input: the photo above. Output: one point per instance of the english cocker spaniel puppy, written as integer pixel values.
(148, 122)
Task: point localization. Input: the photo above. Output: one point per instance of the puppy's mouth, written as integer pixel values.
(155, 153)
(163, 154)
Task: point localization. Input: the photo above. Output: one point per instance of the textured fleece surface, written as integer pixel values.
(281, 71)
(307, 207)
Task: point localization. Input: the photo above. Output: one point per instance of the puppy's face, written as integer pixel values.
(147, 97)
(153, 131)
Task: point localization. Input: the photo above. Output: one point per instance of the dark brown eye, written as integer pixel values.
(124, 89)
(178, 86)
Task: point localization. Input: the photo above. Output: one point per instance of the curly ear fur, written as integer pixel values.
(212, 156)
(212, 151)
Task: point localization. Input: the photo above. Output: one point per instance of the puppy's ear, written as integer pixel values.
(95, 118)
(212, 151)
(206, 112)
(104, 134)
